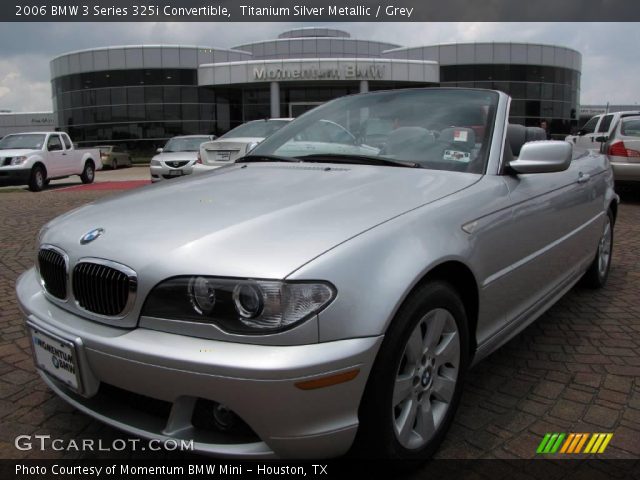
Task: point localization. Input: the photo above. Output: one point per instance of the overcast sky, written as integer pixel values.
(610, 51)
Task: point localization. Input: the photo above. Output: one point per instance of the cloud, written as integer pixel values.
(21, 88)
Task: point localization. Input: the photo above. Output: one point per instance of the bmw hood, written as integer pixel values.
(259, 220)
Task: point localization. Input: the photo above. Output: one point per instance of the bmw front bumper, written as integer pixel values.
(177, 373)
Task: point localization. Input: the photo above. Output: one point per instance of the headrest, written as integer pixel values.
(518, 135)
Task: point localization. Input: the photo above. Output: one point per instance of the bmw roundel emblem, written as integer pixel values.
(91, 235)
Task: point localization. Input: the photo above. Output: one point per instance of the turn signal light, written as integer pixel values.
(328, 380)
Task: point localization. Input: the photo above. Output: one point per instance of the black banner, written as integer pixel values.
(320, 11)
(317, 469)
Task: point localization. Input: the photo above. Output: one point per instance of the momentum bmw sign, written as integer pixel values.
(345, 72)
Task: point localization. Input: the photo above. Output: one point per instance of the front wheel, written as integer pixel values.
(415, 385)
(88, 173)
(37, 179)
(598, 273)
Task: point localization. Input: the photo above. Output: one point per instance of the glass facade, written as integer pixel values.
(131, 106)
(539, 93)
(139, 96)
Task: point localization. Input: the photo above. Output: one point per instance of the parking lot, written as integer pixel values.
(577, 369)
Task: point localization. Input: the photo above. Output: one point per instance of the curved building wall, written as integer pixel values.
(542, 80)
(138, 94)
(142, 95)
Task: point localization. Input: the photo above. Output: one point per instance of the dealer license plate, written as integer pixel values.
(223, 156)
(57, 357)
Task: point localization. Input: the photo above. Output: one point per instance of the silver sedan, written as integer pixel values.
(305, 302)
(623, 149)
(177, 157)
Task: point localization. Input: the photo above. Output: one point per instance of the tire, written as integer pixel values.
(415, 385)
(114, 165)
(38, 178)
(598, 273)
(88, 173)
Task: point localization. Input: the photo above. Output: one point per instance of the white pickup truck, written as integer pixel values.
(599, 126)
(34, 158)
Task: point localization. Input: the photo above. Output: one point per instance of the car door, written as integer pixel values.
(56, 157)
(585, 137)
(551, 230)
(69, 158)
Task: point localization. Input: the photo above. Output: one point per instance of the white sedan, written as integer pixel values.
(236, 143)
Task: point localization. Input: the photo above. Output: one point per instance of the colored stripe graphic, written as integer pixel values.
(598, 443)
(573, 443)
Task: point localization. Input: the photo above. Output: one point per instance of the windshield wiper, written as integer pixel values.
(357, 159)
(267, 158)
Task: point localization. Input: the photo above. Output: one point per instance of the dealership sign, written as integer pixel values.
(344, 72)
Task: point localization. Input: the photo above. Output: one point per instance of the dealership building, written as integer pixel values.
(142, 95)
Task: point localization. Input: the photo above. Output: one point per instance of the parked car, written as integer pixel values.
(236, 143)
(304, 306)
(598, 126)
(177, 157)
(35, 158)
(623, 149)
(114, 156)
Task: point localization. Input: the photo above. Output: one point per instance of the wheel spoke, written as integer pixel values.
(443, 388)
(405, 422)
(448, 351)
(425, 425)
(435, 326)
(413, 350)
(402, 388)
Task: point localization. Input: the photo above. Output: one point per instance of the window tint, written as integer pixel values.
(605, 123)
(54, 143)
(67, 142)
(630, 128)
(590, 126)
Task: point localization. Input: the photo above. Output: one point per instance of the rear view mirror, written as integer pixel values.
(544, 156)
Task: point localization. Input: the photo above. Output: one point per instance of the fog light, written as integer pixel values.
(224, 418)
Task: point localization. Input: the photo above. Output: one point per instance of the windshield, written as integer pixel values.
(184, 144)
(31, 141)
(443, 129)
(630, 127)
(256, 129)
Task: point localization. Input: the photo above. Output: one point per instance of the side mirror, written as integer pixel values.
(543, 156)
(602, 139)
(158, 150)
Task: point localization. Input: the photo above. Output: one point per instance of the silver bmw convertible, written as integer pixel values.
(325, 297)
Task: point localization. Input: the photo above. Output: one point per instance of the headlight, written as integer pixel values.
(155, 163)
(238, 306)
(18, 160)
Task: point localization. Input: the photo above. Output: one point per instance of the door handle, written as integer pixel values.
(583, 177)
